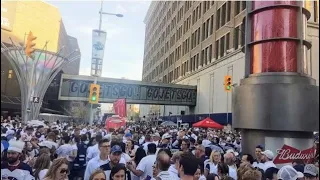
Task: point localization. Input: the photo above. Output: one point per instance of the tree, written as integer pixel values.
(79, 110)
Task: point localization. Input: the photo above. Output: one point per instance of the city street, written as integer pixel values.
(160, 90)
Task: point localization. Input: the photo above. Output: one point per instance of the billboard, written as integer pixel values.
(8, 14)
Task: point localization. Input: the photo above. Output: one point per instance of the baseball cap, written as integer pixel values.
(116, 149)
(270, 171)
(166, 136)
(269, 154)
(310, 170)
(156, 135)
(289, 173)
(299, 167)
(128, 135)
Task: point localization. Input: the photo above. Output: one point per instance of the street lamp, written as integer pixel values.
(111, 14)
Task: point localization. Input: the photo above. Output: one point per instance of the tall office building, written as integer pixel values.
(198, 43)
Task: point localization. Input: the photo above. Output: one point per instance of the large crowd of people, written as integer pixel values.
(60, 151)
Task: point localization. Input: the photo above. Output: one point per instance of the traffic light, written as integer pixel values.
(94, 93)
(227, 83)
(30, 45)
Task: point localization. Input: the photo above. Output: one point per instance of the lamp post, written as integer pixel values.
(96, 60)
(105, 13)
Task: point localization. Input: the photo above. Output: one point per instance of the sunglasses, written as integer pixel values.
(62, 171)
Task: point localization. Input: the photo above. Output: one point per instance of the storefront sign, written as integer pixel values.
(287, 154)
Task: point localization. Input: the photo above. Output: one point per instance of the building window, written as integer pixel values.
(210, 54)
(203, 30)
(228, 10)
(236, 38)
(222, 43)
(223, 17)
(211, 25)
(218, 20)
(237, 7)
(244, 5)
(198, 36)
(202, 59)
(241, 32)
(217, 50)
(227, 41)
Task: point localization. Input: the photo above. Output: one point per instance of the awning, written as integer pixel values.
(208, 123)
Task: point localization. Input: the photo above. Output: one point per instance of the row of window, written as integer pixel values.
(191, 65)
(223, 16)
(205, 58)
(222, 45)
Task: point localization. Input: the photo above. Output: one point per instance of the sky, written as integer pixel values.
(124, 49)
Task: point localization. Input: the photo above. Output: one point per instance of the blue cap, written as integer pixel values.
(116, 149)
(299, 167)
(128, 135)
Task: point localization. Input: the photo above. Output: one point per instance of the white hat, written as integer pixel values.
(16, 146)
(310, 170)
(156, 135)
(45, 144)
(232, 151)
(289, 173)
(166, 136)
(269, 154)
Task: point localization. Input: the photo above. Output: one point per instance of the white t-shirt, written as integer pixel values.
(145, 146)
(268, 165)
(66, 150)
(233, 172)
(42, 173)
(92, 152)
(145, 165)
(206, 143)
(126, 157)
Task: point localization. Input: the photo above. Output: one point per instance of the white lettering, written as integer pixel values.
(286, 154)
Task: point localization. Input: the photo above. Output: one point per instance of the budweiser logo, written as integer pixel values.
(287, 154)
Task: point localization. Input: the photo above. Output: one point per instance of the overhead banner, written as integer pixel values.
(98, 43)
(120, 107)
(8, 14)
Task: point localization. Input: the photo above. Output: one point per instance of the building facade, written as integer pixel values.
(18, 18)
(198, 43)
